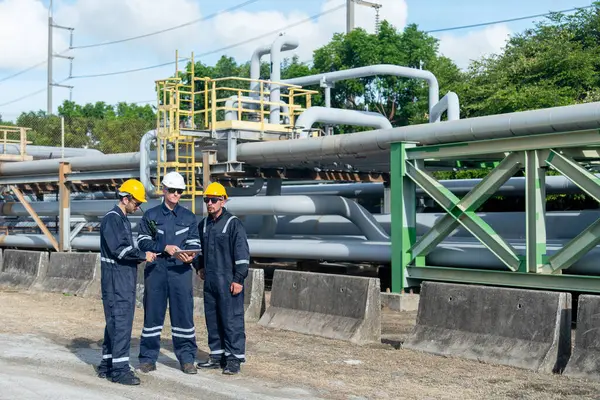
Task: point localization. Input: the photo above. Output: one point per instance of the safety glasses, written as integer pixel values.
(172, 190)
(212, 200)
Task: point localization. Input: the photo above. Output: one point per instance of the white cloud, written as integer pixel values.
(230, 27)
(474, 45)
(24, 33)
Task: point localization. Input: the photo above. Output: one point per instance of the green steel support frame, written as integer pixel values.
(532, 154)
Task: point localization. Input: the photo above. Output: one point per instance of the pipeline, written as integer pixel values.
(463, 253)
(373, 70)
(339, 116)
(376, 144)
(272, 205)
(282, 43)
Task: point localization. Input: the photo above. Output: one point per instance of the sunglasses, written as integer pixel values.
(212, 200)
(172, 190)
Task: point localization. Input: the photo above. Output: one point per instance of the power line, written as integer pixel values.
(215, 50)
(454, 28)
(23, 71)
(30, 94)
(233, 8)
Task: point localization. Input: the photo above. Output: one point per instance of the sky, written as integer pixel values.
(24, 38)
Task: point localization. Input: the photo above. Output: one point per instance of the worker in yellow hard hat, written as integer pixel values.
(223, 265)
(119, 259)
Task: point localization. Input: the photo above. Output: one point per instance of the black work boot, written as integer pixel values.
(232, 367)
(189, 368)
(147, 367)
(127, 378)
(212, 363)
(104, 369)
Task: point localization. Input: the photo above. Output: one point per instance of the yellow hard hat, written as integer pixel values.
(135, 188)
(215, 189)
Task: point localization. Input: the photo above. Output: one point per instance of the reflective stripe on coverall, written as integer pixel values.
(168, 278)
(119, 258)
(225, 258)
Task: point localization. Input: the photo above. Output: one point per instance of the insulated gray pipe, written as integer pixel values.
(271, 205)
(466, 253)
(46, 152)
(339, 116)
(372, 70)
(282, 43)
(448, 103)
(231, 115)
(86, 163)
(310, 205)
(513, 187)
(255, 68)
(377, 143)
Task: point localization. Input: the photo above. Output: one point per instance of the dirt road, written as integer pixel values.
(51, 342)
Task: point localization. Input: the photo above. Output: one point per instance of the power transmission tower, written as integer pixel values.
(350, 13)
(51, 56)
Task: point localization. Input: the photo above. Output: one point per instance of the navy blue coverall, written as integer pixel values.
(119, 258)
(168, 278)
(225, 259)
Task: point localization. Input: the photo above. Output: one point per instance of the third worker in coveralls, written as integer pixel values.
(223, 265)
(166, 229)
(119, 260)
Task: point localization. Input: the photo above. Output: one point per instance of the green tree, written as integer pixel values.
(403, 101)
(556, 63)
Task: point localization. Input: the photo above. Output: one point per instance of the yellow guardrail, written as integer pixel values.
(14, 135)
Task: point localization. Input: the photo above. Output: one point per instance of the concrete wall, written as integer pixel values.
(334, 306)
(21, 268)
(75, 273)
(254, 295)
(585, 361)
(521, 328)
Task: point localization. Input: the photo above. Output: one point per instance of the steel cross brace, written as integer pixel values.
(462, 211)
(590, 237)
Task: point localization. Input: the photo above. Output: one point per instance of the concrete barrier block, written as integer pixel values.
(21, 268)
(400, 301)
(585, 361)
(522, 328)
(254, 295)
(75, 273)
(333, 306)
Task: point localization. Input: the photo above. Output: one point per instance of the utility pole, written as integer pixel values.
(349, 16)
(350, 13)
(51, 56)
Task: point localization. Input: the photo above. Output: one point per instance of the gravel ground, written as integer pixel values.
(280, 364)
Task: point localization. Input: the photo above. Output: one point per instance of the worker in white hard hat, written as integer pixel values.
(169, 230)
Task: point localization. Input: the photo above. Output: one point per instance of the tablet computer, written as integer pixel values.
(189, 251)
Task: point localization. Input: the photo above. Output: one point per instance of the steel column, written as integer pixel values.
(535, 212)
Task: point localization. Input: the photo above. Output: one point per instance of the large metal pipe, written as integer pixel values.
(272, 205)
(463, 253)
(448, 103)
(46, 152)
(377, 143)
(249, 101)
(282, 43)
(86, 163)
(340, 116)
(373, 70)
(513, 187)
(310, 205)
(255, 68)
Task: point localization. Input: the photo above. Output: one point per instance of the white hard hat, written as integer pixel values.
(174, 180)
